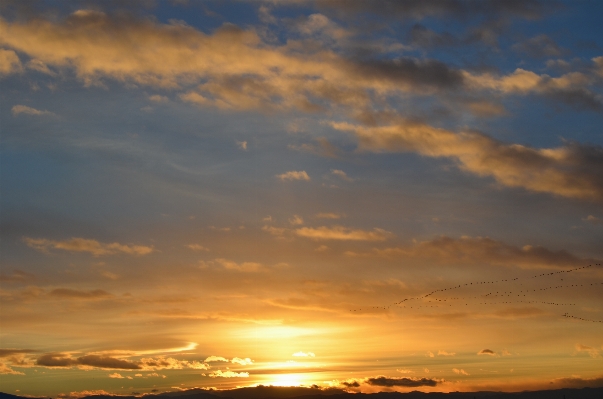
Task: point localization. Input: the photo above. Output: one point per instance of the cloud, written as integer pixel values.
(169, 363)
(158, 98)
(577, 382)
(592, 352)
(593, 219)
(429, 354)
(296, 220)
(351, 384)
(12, 352)
(23, 109)
(17, 276)
(341, 174)
(110, 363)
(343, 233)
(303, 354)
(78, 294)
(294, 175)
(488, 352)
(275, 231)
(9, 62)
(228, 374)
(5, 369)
(197, 247)
(328, 215)
(116, 375)
(460, 371)
(86, 245)
(540, 46)
(247, 267)
(417, 9)
(481, 250)
(383, 381)
(215, 359)
(235, 360)
(243, 362)
(242, 145)
(444, 353)
(573, 170)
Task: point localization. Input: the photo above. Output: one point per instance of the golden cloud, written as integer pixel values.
(573, 170)
(343, 233)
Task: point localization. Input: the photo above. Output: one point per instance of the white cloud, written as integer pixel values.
(294, 175)
(24, 109)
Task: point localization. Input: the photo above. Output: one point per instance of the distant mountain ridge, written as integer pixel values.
(271, 392)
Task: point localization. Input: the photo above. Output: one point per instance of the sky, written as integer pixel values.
(364, 196)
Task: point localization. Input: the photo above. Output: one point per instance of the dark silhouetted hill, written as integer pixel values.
(270, 392)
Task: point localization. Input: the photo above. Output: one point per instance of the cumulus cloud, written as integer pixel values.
(343, 233)
(444, 353)
(488, 352)
(460, 371)
(116, 375)
(228, 374)
(243, 362)
(215, 359)
(481, 250)
(341, 174)
(9, 62)
(24, 109)
(86, 245)
(383, 381)
(294, 175)
(573, 170)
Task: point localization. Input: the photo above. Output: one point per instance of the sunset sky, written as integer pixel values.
(363, 195)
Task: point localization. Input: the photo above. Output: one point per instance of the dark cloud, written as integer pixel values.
(579, 382)
(489, 352)
(419, 9)
(540, 46)
(422, 36)
(409, 71)
(353, 384)
(56, 360)
(11, 352)
(105, 362)
(383, 381)
(77, 294)
(577, 98)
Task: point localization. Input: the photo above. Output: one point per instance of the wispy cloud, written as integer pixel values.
(24, 109)
(93, 247)
(343, 233)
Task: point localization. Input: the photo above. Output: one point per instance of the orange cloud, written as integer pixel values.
(343, 233)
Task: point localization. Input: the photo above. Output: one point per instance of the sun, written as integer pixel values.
(286, 380)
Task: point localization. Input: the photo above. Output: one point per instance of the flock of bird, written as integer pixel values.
(510, 297)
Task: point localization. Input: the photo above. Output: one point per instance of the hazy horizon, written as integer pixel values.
(364, 195)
